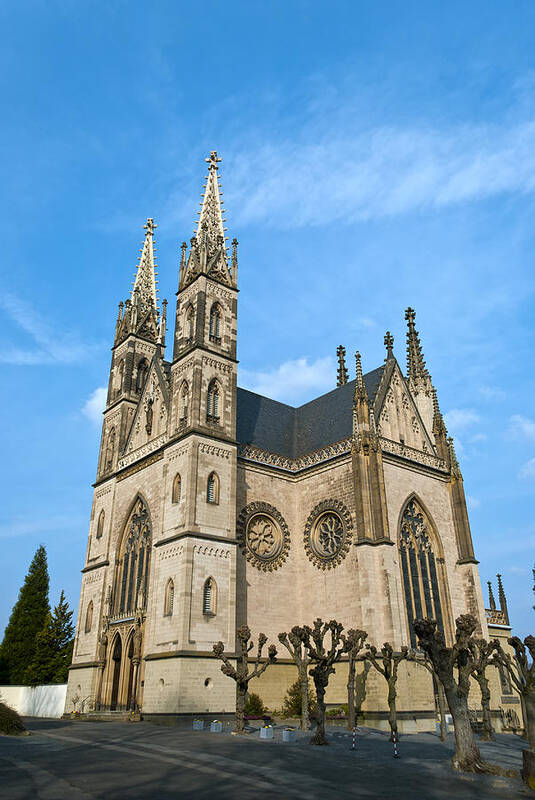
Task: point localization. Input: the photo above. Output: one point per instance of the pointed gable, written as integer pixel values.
(150, 418)
(396, 413)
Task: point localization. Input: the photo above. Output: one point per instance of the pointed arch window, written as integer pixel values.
(89, 617)
(212, 489)
(110, 449)
(213, 403)
(209, 597)
(133, 563)
(169, 598)
(419, 569)
(183, 405)
(177, 488)
(119, 378)
(141, 374)
(190, 324)
(215, 324)
(100, 524)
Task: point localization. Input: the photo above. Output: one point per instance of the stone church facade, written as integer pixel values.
(214, 507)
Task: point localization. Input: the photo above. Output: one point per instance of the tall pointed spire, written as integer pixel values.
(416, 368)
(341, 377)
(208, 253)
(361, 393)
(503, 599)
(144, 290)
(492, 601)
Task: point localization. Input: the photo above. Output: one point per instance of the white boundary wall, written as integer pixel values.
(35, 701)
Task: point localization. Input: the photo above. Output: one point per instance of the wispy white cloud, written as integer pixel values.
(95, 404)
(472, 502)
(459, 419)
(522, 427)
(51, 346)
(528, 470)
(491, 392)
(319, 177)
(31, 526)
(292, 381)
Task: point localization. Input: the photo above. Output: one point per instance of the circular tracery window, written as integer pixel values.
(328, 534)
(263, 535)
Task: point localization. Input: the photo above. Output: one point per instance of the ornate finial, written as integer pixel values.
(389, 344)
(213, 160)
(454, 464)
(502, 598)
(150, 226)
(342, 375)
(360, 386)
(163, 324)
(492, 601)
(416, 368)
(234, 264)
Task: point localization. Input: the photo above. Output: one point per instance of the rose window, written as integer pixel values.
(328, 534)
(263, 536)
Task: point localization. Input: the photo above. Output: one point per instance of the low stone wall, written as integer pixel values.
(35, 701)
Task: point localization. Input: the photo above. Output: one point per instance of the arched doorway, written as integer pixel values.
(117, 655)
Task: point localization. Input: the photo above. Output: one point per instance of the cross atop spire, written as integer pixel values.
(342, 369)
(144, 291)
(415, 360)
(210, 224)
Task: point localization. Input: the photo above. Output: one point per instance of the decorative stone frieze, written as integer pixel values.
(328, 534)
(398, 449)
(263, 536)
(143, 451)
(213, 450)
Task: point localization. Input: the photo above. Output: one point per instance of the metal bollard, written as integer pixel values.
(354, 744)
(395, 743)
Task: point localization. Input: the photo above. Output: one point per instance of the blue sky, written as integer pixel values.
(376, 155)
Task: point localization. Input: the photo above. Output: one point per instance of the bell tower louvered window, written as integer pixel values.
(212, 403)
(419, 569)
(209, 597)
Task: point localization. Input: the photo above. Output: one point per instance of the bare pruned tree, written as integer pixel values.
(522, 674)
(295, 647)
(240, 673)
(388, 668)
(483, 655)
(426, 663)
(323, 655)
(354, 643)
(444, 659)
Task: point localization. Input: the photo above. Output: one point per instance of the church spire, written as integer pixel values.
(208, 253)
(341, 377)
(416, 368)
(144, 291)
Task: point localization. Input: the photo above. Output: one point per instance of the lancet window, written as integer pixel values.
(215, 324)
(212, 403)
(100, 524)
(133, 565)
(190, 324)
(110, 448)
(89, 618)
(419, 569)
(212, 488)
(177, 488)
(169, 598)
(141, 375)
(209, 597)
(183, 405)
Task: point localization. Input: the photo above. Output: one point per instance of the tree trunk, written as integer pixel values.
(442, 712)
(529, 722)
(319, 737)
(303, 678)
(467, 757)
(392, 713)
(487, 734)
(351, 693)
(241, 694)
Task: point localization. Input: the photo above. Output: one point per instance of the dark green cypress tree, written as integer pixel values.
(27, 620)
(54, 643)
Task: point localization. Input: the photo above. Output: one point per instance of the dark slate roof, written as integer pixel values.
(293, 432)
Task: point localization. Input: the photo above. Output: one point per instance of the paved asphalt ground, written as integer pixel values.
(78, 760)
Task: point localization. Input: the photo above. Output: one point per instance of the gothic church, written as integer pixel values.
(214, 507)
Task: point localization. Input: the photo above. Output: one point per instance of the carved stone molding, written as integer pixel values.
(178, 453)
(263, 536)
(143, 451)
(102, 492)
(251, 453)
(215, 364)
(412, 454)
(184, 367)
(328, 532)
(171, 552)
(210, 550)
(213, 450)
